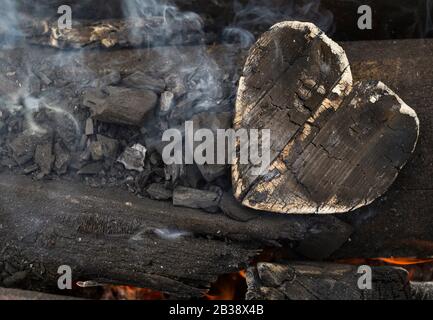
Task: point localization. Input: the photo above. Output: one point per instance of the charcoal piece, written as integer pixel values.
(192, 176)
(24, 146)
(212, 121)
(89, 129)
(91, 168)
(124, 225)
(166, 102)
(141, 80)
(233, 209)
(34, 85)
(44, 78)
(158, 191)
(211, 172)
(30, 169)
(120, 105)
(155, 159)
(112, 33)
(63, 158)
(15, 279)
(195, 198)
(133, 157)
(174, 173)
(176, 85)
(44, 157)
(319, 246)
(103, 148)
(330, 281)
(111, 78)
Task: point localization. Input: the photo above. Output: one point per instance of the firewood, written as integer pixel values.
(113, 33)
(120, 105)
(328, 281)
(195, 198)
(335, 146)
(111, 236)
(16, 294)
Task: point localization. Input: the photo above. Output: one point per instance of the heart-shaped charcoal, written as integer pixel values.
(334, 146)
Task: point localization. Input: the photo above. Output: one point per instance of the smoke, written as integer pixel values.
(170, 234)
(25, 101)
(9, 27)
(197, 72)
(260, 15)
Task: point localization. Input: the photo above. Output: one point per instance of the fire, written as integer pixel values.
(419, 269)
(130, 293)
(228, 287)
(404, 261)
(391, 260)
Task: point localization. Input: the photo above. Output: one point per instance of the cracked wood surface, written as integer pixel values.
(327, 281)
(111, 236)
(111, 33)
(398, 224)
(334, 146)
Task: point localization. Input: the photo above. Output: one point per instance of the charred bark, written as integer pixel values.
(326, 281)
(334, 146)
(113, 237)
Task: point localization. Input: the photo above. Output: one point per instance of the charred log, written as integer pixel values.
(113, 237)
(334, 146)
(326, 281)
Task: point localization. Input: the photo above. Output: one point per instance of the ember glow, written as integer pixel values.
(130, 293)
(419, 269)
(228, 287)
(404, 261)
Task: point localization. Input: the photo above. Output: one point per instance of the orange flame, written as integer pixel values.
(131, 293)
(404, 261)
(227, 286)
(414, 266)
(391, 260)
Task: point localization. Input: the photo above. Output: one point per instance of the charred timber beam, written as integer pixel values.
(16, 294)
(327, 281)
(404, 211)
(114, 237)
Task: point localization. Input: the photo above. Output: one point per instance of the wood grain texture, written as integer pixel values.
(335, 146)
(111, 236)
(327, 281)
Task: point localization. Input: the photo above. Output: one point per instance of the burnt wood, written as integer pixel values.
(16, 294)
(398, 224)
(327, 281)
(404, 211)
(334, 146)
(111, 236)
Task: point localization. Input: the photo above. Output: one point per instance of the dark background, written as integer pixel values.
(392, 19)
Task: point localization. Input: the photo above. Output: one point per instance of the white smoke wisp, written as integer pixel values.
(256, 12)
(169, 234)
(253, 13)
(9, 24)
(24, 101)
(198, 71)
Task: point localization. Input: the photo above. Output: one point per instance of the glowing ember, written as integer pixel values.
(418, 269)
(130, 293)
(228, 287)
(404, 261)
